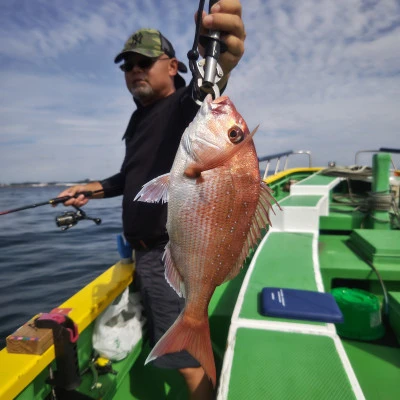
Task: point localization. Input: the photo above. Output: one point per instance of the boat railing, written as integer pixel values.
(284, 158)
(381, 150)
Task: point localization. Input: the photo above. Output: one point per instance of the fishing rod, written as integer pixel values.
(56, 200)
(67, 219)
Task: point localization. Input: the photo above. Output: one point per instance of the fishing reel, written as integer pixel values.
(71, 218)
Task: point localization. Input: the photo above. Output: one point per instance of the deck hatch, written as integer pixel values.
(377, 245)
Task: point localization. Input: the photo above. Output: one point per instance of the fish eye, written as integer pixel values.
(235, 134)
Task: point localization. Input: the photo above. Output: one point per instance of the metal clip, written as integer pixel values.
(203, 86)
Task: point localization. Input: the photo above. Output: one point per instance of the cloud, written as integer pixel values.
(326, 74)
(316, 75)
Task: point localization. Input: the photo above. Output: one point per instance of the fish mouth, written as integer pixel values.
(222, 99)
(220, 105)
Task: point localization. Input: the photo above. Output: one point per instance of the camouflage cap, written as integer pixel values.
(151, 43)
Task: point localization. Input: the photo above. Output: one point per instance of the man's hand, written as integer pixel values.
(226, 17)
(81, 200)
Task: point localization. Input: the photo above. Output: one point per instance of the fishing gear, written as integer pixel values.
(207, 72)
(71, 218)
(56, 200)
(68, 219)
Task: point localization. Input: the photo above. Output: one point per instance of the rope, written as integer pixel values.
(352, 172)
(380, 201)
(374, 201)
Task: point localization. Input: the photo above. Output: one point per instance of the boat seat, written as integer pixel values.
(315, 184)
(300, 213)
(286, 363)
(307, 202)
(264, 349)
(277, 268)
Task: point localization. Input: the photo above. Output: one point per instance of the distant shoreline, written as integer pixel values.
(42, 184)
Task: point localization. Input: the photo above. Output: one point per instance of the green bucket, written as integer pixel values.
(362, 314)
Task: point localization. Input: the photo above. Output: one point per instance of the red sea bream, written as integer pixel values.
(217, 207)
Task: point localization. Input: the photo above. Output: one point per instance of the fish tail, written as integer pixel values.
(192, 336)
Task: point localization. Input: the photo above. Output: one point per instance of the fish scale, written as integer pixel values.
(217, 207)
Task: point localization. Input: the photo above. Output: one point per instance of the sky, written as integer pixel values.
(317, 75)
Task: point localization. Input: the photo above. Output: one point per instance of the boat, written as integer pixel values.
(335, 234)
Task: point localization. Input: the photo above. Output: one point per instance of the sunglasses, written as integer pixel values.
(142, 63)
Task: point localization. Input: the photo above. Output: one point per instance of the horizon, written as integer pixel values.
(316, 75)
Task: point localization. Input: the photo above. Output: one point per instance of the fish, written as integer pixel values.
(217, 208)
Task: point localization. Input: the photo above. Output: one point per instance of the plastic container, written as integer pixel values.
(362, 314)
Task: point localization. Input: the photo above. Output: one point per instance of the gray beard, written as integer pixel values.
(142, 93)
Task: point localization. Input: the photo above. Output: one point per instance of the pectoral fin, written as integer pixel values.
(155, 190)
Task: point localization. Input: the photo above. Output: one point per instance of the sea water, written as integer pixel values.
(42, 266)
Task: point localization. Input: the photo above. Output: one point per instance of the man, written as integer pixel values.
(164, 109)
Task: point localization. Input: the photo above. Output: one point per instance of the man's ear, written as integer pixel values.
(173, 67)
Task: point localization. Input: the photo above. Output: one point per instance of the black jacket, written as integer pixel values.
(152, 140)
